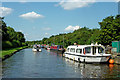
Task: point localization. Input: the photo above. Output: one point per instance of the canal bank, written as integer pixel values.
(116, 58)
(9, 52)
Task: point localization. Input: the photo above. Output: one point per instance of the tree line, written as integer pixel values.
(109, 31)
(10, 38)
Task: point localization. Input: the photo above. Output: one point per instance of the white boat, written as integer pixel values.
(36, 48)
(87, 53)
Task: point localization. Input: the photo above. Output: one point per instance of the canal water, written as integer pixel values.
(46, 64)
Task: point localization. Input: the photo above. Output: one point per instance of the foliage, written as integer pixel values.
(109, 31)
(3, 27)
(6, 44)
(80, 36)
(11, 33)
(10, 38)
(20, 36)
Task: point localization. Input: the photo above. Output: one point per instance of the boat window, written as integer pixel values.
(100, 50)
(68, 49)
(94, 49)
(88, 50)
(78, 50)
(72, 50)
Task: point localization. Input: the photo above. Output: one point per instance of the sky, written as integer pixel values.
(43, 19)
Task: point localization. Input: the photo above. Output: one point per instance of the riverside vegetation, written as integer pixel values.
(12, 41)
(109, 31)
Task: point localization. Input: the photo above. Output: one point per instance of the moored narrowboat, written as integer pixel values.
(57, 48)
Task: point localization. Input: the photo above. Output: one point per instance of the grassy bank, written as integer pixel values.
(9, 52)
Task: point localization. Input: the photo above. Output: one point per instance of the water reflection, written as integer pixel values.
(48, 50)
(95, 70)
(55, 54)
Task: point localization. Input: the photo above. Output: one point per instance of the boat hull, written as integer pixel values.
(48, 48)
(88, 59)
(36, 50)
(58, 51)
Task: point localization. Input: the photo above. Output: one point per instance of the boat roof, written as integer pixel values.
(83, 46)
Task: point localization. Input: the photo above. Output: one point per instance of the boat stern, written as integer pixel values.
(105, 58)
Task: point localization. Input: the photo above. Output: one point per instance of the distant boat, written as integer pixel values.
(57, 48)
(36, 48)
(87, 53)
(48, 48)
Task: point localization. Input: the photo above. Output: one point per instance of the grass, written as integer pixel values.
(9, 51)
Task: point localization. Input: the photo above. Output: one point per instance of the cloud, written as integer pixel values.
(117, 0)
(72, 28)
(23, 1)
(46, 33)
(20, 31)
(4, 11)
(73, 4)
(26, 35)
(46, 28)
(31, 15)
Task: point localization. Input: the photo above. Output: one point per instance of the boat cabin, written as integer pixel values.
(86, 49)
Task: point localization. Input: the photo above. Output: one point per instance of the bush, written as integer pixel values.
(15, 44)
(6, 44)
(19, 43)
(23, 44)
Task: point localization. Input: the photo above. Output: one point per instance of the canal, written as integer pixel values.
(46, 64)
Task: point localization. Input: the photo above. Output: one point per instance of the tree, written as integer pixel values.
(20, 36)
(110, 30)
(11, 34)
(10, 38)
(3, 27)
